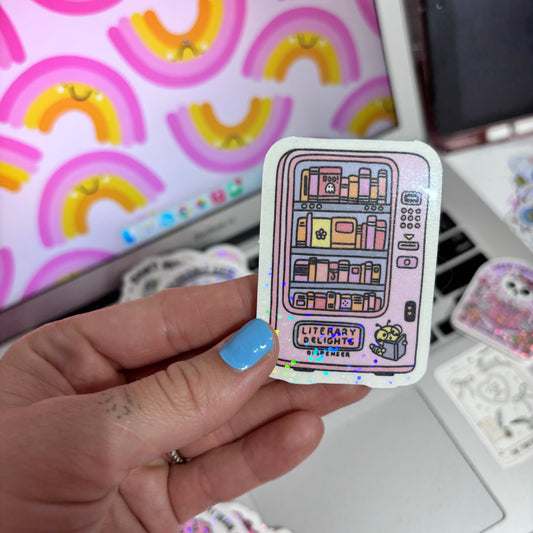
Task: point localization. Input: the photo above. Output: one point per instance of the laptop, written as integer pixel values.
(416, 459)
(156, 174)
(168, 124)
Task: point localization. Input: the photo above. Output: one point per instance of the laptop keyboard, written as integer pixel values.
(458, 276)
(453, 246)
(458, 258)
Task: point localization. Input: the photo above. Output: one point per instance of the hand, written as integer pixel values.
(89, 406)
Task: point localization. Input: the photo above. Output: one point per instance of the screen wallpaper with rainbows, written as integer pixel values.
(122, 119)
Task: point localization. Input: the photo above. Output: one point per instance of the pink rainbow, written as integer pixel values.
(368, 10)
(19, 154)
(373, 89)
(11, 50)
(190, 140)
(62, 266)
(156, 69)
(77, 7)
(84, 167)
(72, 69)
(7, 273)
(304, 19)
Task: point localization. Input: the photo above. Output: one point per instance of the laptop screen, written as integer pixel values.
(479, 61)
(121, 121)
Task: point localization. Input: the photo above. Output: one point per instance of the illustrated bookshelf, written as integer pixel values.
(339, 250)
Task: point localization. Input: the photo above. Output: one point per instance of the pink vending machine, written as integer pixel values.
(350, 246)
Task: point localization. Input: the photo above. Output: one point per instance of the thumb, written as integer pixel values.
(191, 398)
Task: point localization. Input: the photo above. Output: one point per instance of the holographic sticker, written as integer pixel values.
(181, 268)
(495, 394)
(497, 307)
(348, 245)
(227, 252)
(520, 215)
(230, 517)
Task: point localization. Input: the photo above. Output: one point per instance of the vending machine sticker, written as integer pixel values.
(348, 244)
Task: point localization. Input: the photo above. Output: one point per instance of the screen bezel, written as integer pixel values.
(71, 296)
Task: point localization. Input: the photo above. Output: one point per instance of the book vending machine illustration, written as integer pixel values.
(348, 244)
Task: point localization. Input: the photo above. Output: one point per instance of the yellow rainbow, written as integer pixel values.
(231, 137)
(12, 177)
(91, 190)
(379, 109)
(56, 101)
(180, 46)
(304, 45)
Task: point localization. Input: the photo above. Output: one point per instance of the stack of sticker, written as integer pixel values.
(181, 268)
(229, 517)
(491, 382)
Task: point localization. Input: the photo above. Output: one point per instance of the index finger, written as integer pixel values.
(171, 322)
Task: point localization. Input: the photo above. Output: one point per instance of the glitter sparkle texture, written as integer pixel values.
(497, 307)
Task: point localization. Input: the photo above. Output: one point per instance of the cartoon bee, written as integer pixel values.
(391, 341)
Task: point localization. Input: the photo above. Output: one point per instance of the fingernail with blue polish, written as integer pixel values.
(248, 345)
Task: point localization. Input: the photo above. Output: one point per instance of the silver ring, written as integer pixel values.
(175, 458)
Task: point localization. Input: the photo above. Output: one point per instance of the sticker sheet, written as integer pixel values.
(495, 394)
(497, 307)
(348, 244)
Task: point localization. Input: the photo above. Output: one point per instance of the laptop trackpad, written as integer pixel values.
(388, 467)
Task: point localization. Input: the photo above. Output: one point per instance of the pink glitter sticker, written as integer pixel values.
(497, 307)
(348, 241)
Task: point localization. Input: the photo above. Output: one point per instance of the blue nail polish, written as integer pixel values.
(248, 345)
